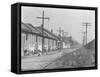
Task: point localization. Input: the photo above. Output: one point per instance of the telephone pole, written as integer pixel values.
(86, 25)
(42, 18)
(84, 38)
(63, 33)
(60, 32)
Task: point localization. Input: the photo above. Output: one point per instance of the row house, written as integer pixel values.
(31, 39)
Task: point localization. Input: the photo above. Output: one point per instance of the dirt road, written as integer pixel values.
(40, 62)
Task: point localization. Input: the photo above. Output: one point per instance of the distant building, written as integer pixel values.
(66, 42)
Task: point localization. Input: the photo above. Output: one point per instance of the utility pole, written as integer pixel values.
(60, 31)
(42, 18)
(86, 25)
(84, 38)
(63, 33)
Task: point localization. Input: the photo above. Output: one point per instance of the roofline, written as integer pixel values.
(39, 30)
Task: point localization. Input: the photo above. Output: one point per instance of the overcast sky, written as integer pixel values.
(68, 19)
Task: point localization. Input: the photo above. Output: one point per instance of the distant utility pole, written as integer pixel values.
(42, 18)
(66, 34)
(84, 38)
(60, 32)
(63, 33)
(86, 25)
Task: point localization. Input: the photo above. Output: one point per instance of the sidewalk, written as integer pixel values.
(45, 54)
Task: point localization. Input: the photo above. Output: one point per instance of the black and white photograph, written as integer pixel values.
(57, 38)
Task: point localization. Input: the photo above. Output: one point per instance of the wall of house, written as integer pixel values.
(39, 43)
(33, 42)
(28, 42)
(46, 43)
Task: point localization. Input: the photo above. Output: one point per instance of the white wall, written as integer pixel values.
(5, 41)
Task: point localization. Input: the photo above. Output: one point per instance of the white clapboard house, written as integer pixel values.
(31, 39)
